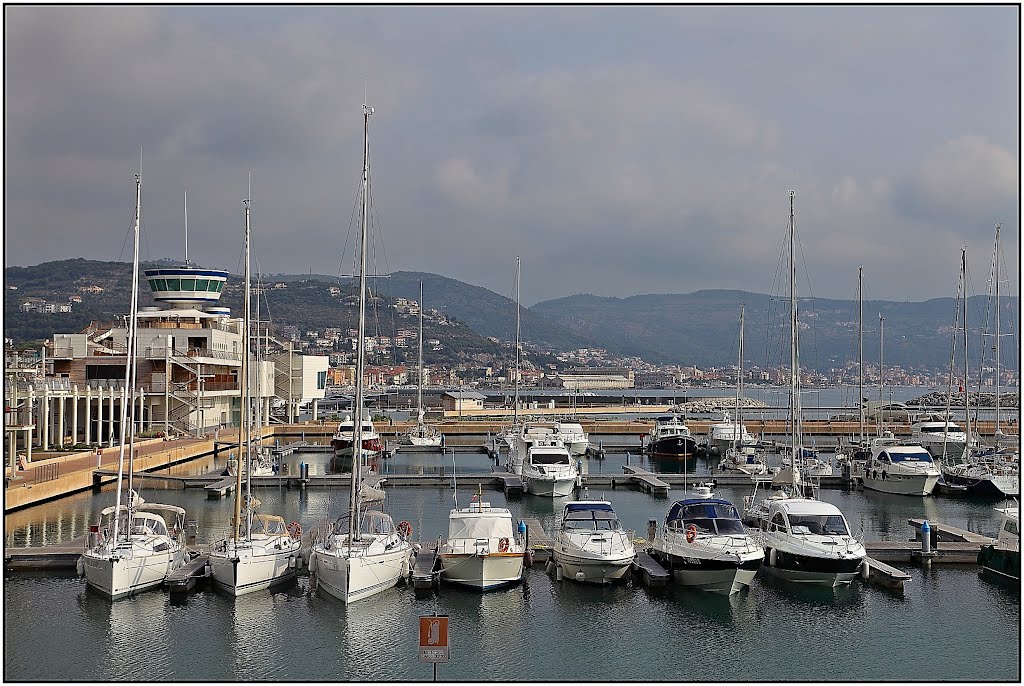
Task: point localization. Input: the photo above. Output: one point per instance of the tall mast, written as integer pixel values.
(186, 226)
(515, 405)
(967, 401)
(881, 374)
(419, 376)
(737, 429)
(997, 335)
(357, 425)
(794, 347)
(860, 349)
(129, 373)
(244, 437)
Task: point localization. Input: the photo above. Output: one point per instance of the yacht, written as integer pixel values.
(900, 468)
(591, 545)
(743, 459)
(722, 435)
(1002, 559)
(355, 563)
(811, 465)
(134, 551)
(941, 438)
(482, 550)
(549, 470)
(808, 541)
(342, 440)
(671, 436)
(573, 436)
(704, 545)
(265, 553)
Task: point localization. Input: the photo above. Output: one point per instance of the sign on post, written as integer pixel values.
(434, 638)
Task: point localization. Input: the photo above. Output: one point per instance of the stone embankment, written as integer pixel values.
(710, 405)
(938, 399)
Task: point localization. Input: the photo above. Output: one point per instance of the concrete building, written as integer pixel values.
(457, 401)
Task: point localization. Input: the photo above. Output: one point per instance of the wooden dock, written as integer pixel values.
(946, 532)
(650, 570)
(539, 543)
(648, 481)
(511, 484)
(950, 552)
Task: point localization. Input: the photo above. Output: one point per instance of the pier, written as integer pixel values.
(649, 482)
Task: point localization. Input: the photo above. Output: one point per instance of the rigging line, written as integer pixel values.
(351, 222)
(810, 297)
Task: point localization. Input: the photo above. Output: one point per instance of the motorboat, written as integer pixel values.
(900, 468)
(1002, 559)
(135, 550)
(941, 438)
(355, 563)
(724, 434)
(343, 438)
(573, 437)
(671, 436)
(266, 553)
(482, 550)
(704, 544)
(549, 470)
(808, 541)
(591, 545)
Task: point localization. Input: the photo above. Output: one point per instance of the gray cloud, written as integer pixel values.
(619, 150)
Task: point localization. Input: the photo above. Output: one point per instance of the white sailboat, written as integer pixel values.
(261, 551)
(514, 435)
(739, 455)
(805, 540)
(423, 434)
(132, 549)
(364, 553)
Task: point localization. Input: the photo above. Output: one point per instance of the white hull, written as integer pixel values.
(117, 578)
(550, 488)
(256, 569)
(421, 441)
(595, 569)
(953, 448)
(915, 484)
(724, 581)
(482, 572)
(353, 578)
(814, 578)
(577, 448)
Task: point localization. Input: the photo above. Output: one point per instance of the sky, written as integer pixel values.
(618, 150)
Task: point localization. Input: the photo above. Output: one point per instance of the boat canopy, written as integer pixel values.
(701, 507)
(596, 519)
(147, 507)
(269, 525)
(496, 523)
(371, 522)
(580, 505)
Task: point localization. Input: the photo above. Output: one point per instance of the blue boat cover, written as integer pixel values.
(576, 507)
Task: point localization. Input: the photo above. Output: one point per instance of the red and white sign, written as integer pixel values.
(434, 638)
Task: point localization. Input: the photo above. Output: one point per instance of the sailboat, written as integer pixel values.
(364, 553)
(740, 455)
(423, 434)
(987, 475)
(805, 540)
(261, 551)
(132, 549)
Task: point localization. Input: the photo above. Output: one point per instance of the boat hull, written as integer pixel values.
(482, 572)
(807, 569)
(994, 487)
(429, 441)
(901, 484)
(675, 446)
(595, 569)
(246, 570)
(550, 488)
(119, 577)
(1000, 562)
(350, 579)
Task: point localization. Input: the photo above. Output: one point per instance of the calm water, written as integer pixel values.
(949, 623)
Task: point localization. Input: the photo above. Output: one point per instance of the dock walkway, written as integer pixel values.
(648, 481)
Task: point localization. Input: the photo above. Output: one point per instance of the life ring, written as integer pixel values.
(404, 529)
(503, 545)
(691, 533)
(295, 530)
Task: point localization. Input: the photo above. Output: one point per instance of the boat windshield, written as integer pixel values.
(819, 525)
(922, 456)
(592, 521)
(371, 522)
(538, 457)
(953, 428)
(715, 518)
(145, 526)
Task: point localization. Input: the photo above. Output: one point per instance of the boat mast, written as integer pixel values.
(881, 375)
(737, 429)
(129, 372)
(357, 425)
(419, 377)
(794, 351)
(186, 228)
(967, 401)
(515, 404)
(998, 226)
(244, 426)
(860, 349)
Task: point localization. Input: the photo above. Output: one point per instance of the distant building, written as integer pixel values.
(457, 401)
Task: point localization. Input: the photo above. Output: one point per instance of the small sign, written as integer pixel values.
(434, 638)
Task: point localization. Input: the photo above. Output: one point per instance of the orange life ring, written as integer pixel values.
(404, 529)
(691, 533)
(503, 545)
(295, 530)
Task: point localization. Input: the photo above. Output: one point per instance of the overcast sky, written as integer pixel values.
(618, 150)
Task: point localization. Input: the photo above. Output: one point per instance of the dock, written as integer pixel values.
(945, 532)
(648, 481)
(539, 542)
(949, 552)
(220, 488)
(426, 570)
(63, 556)
(884, 575)
(511, 484)
(184, 579)
(649, 570)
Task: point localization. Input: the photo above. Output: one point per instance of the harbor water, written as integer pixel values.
(948, 624)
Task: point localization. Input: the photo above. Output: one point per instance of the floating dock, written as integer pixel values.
(184, 579)
(426, 570)
(649, 482)
(650, 570)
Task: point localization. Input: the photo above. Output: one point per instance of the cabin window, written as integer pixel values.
(202, 284)
(213, 286)
(188, 284)
(779, 522)
(173, 284)
(158, 284)
(819, 525)
(1012, 528)
(922, 456)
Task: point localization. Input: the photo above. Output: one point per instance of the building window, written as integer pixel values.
(321, 380)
